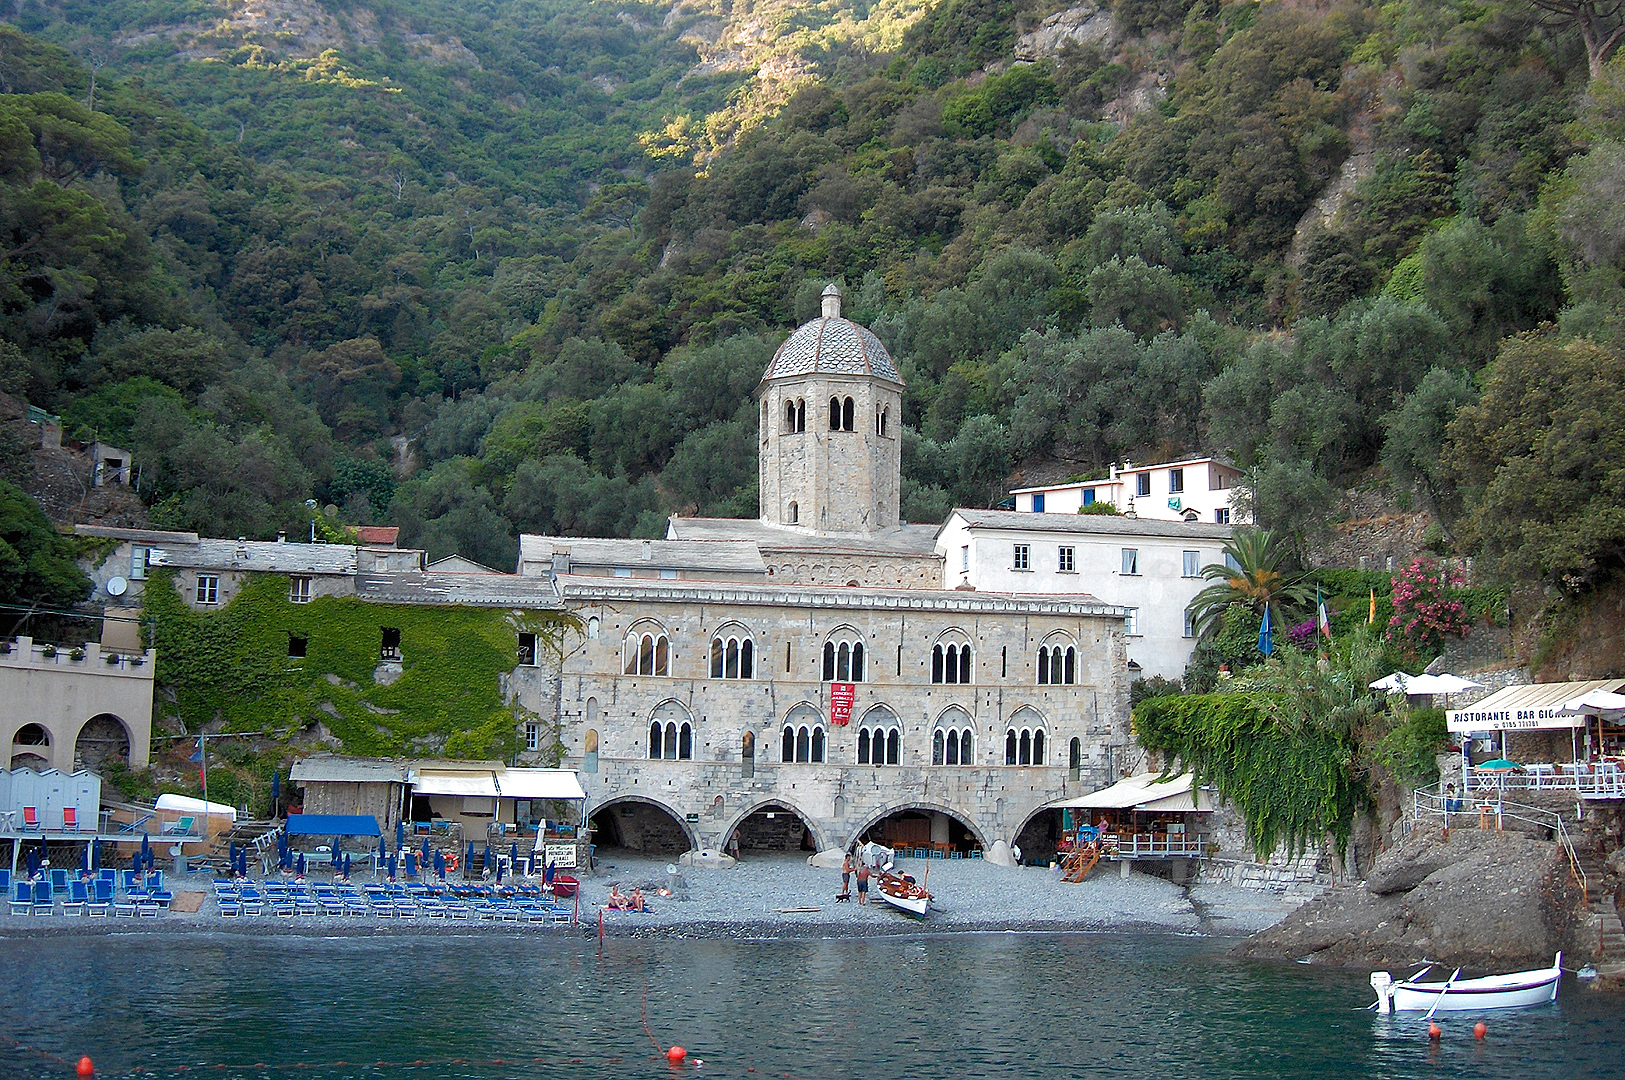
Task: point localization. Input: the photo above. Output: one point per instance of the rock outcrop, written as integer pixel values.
(1082, 24)
(1478, 899)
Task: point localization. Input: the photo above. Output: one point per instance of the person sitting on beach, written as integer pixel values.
(636, 900)
(619, 900)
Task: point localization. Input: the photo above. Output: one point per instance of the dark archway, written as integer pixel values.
(639, 827)
(921, 828)
(103, 741)
(31, 748)
(773, 828)
(1040, 837)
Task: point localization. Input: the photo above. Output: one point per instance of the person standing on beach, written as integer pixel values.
(846, 875)
(863, 883)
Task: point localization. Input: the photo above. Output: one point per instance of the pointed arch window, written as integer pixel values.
(844, 658)
(951, 662)
(1057, 664)
(671, 734)
(647, 651)
(1024, 739)
(802, 740)
(953, 742)
(880, 737)
(733, 655)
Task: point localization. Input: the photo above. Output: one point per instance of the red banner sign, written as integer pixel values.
(841, 697)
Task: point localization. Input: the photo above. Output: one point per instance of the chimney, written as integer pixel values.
(832, 301)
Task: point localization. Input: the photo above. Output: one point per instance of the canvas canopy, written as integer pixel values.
(539, 784)
(185, 804)
(467, 784)
(332, 825)
(1147, 791)
(1529, 707)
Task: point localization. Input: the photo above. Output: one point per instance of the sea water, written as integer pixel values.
(481, 1006)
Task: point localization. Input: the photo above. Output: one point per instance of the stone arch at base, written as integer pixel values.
(103, 737)
(614, 805)
(887, 811)
(819, 838)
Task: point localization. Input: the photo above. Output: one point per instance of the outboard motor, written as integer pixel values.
(1383, 984)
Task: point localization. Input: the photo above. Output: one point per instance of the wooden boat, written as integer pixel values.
(1514, 990)
(903, 893)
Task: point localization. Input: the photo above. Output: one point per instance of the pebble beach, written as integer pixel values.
(782, 896)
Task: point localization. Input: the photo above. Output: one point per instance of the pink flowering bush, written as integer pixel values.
(1427, 607)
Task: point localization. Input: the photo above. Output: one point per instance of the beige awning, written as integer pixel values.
(466, 784)
(1147, 791)
(1527, 707)
(539, 784)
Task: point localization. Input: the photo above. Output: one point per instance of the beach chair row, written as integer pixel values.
(396, 907)
(92, 899)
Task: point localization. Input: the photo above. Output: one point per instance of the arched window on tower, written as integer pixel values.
(801, 415)
(789, 417)
(846, 415)
(882, 420)
(835, 414)
(793, 514)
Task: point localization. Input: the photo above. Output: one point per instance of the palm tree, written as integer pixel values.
(1251, 575)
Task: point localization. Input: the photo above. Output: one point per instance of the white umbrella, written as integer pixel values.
(1441, 684)
(1599, 702)
(1395, 682)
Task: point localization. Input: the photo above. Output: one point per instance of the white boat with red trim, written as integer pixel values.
(1516, 989)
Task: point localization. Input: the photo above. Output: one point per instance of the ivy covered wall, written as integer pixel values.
(232, 666)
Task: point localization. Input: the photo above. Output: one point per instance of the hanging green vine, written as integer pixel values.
(1292, 784)
(233, 666)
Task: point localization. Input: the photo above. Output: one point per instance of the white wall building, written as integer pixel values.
(1195, 489)
(1150, 568)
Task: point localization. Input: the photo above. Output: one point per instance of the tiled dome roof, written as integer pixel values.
(834, 346)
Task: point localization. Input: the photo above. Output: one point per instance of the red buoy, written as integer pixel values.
(1480, 1030)
(676, 1054)
(1434, 1030)
(86, 1066)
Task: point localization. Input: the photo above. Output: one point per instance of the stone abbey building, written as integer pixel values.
(809, 679)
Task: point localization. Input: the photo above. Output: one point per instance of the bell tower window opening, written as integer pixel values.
(846, 415)
(793, 515)
(835, 414)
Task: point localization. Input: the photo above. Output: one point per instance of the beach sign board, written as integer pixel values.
(560, 854)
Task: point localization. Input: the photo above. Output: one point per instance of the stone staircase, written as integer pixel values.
(1604, 915)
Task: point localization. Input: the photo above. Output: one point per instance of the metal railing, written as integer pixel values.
(1591, 780)
(1481, 806)
(1156, 846)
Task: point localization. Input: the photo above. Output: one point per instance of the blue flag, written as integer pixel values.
(197, 755)
(1266, 639)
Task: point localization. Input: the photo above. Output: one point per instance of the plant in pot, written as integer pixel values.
(49, 652)
(76, 653)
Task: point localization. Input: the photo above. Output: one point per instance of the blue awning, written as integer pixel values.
(332, 825)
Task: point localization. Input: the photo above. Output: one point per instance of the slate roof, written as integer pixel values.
(897, 540)
(476, 590)
(832, 346)
(264, 556)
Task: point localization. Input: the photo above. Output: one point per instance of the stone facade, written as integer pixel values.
(732, 762)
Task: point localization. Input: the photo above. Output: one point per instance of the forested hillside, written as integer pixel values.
(506, 265)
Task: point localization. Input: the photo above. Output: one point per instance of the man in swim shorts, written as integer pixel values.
(863, 883)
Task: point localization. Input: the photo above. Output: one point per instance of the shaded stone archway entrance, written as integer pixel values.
(638, 826)
(921, 829)
(772, 829)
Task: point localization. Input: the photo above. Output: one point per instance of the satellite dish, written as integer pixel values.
(116, 586)
(671, 868)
